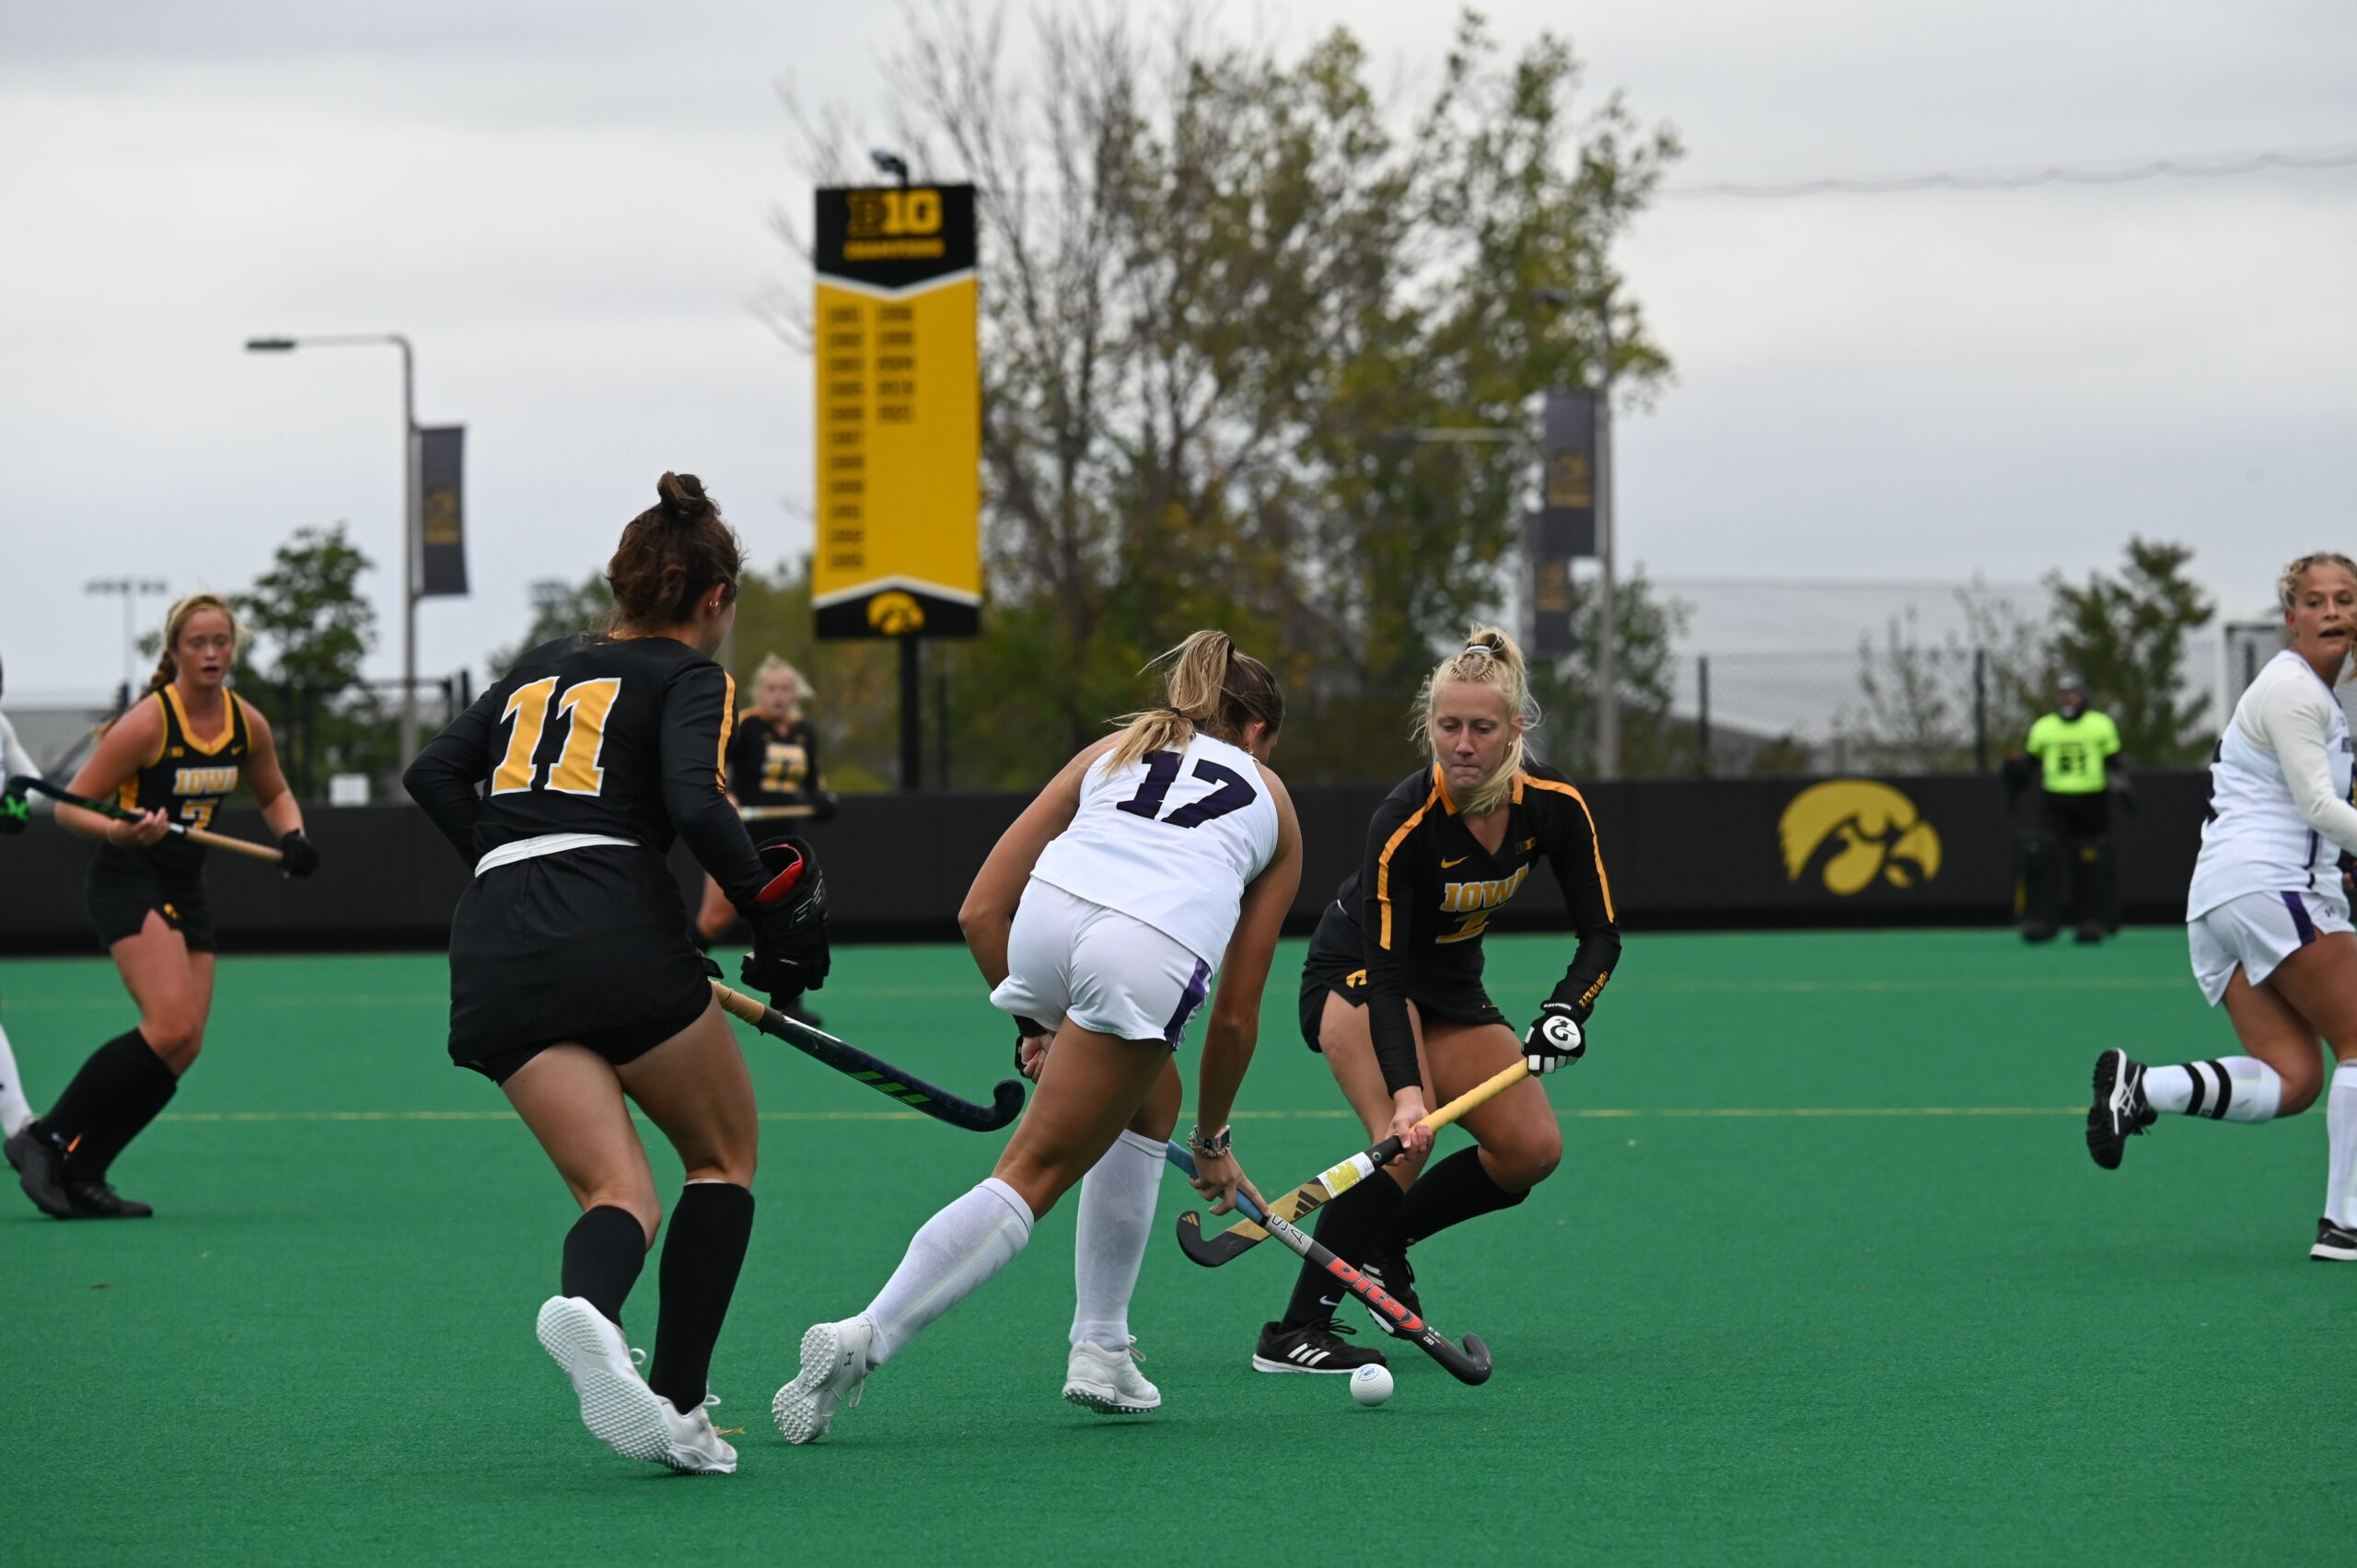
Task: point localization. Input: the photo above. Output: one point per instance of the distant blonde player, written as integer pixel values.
(2267, 913)
(173, 756)
(1157, 856)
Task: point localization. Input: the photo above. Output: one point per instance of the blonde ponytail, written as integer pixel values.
(1209, 686)
(1489, 658)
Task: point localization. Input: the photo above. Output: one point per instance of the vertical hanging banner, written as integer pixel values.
(442, 527)
(1564, 526)
(900, 414)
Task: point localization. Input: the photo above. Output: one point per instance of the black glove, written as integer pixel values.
(1554, 1039)
(822, 805)
(789, 921)
(16, 813)
(299, 858)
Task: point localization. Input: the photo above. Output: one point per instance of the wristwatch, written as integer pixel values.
(1211, 1143)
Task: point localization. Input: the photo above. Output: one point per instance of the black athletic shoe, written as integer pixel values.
(2120, 1111)
(1399, 1282)
(1313, 1347)
(2038, 931)
(2335, 1243)
(96, 1201)
(2087, 934)
(39, 1160)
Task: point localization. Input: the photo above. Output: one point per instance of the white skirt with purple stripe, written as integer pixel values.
(1105, 971)
(2256, 932)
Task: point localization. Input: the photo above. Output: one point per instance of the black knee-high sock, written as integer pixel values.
(142, 1101)
(109, 1079)
(1456, 1189)
(1348, 1226)
(603, 1253)
(710, 1227)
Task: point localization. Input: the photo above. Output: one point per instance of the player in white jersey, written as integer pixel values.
(1157, 856)
(2267, 913)
(16, 811)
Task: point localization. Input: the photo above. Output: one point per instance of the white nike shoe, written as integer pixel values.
(834, 1366)
(617, 1406)
(1109, 1381)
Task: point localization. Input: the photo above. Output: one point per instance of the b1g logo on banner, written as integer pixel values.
(899, 411)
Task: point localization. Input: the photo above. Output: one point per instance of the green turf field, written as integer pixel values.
(1826, 1276)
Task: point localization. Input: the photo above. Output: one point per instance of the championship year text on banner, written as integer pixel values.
(899, 405)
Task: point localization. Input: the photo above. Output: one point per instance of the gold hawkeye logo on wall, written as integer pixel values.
(896, 614)
(1859, 832)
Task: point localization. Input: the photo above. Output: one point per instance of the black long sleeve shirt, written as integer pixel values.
(622, 736)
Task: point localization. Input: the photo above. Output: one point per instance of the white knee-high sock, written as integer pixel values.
(2230, 1088)
(2341, 1127)
(950, 1254)
(13, 1111)
(1117, 1199)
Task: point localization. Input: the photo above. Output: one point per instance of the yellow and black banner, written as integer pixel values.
(899, 406)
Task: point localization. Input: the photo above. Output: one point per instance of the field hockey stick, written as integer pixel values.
(770, 813)
(1237, 1239)
(1469, 1365)
(875, 1072)
(21, 783)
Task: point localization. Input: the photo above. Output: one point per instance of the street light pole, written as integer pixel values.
(1607, 643)
(413, 509)
(130, 588)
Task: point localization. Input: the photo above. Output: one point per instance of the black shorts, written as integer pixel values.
(123, 886)
(1335, 965)
(587, 945)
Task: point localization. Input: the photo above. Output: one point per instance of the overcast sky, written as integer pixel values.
(565, 206)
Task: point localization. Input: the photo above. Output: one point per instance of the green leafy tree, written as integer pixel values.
(2126, 635)
(313, 630)
(1227, 295)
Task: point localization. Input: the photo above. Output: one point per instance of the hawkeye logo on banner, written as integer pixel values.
(1856, 832)
(899, 405)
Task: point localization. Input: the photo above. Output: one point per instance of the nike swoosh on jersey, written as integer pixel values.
(1458, 860)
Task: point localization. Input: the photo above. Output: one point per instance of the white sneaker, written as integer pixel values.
(617, 1406)
(834, 1366)
(1109, 1381)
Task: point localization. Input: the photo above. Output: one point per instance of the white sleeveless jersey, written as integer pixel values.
(1170, 839)
(2255, 839)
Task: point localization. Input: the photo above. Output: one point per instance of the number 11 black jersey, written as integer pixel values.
(1170, 839)
(617, 737)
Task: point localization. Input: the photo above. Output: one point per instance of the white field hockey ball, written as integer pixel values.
(1371, 1384)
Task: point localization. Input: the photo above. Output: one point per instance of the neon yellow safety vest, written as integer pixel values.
(2073, 751)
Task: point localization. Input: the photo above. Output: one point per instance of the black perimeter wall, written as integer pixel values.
(1680, 855)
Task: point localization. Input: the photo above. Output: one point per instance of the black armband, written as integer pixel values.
(1026, 1027)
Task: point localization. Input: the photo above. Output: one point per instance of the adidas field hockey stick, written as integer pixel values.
(1470, 1365)
(23, 783)
(875, 1072)
(1237, 1239)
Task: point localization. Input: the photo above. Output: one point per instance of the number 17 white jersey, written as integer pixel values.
(1170, 839)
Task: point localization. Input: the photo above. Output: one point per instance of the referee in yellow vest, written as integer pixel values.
(2067, 872)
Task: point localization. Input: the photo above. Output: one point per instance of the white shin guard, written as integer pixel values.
(951, 1254)
(2341, 1125)
(1117, 1199)
(2229, 1088)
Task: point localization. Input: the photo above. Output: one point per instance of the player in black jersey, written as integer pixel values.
(773, 772)
(574, 982)
(1392, 991)
(172, 757)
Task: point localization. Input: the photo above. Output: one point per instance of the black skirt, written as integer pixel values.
(1336, 964)
(589, 946)
(124, 885)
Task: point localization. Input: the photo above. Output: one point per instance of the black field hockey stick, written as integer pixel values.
(875, 1072)
(24, 782)
(1237, 1239)
(1469, 1366)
